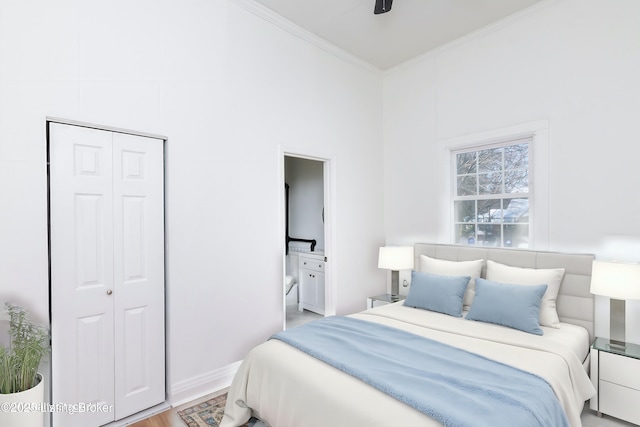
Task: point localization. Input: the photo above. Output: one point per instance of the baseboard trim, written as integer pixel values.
(201, 385)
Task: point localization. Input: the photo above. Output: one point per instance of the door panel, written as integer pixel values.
(139, 273)
(307, 288)
(91, 339)
(81, 272)
(133, 235)
(136, 380)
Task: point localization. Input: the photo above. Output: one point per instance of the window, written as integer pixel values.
(491, 194)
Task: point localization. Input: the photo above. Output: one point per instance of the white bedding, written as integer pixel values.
(288, 388)
(573, 336)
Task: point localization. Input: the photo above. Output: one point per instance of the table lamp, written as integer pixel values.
(395, 258)
(620, 282)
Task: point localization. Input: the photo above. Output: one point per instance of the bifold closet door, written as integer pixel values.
(107, 273)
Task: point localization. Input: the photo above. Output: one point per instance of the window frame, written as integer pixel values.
(538, 179)
(479, 197)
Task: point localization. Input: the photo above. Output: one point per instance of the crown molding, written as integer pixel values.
(270, 16)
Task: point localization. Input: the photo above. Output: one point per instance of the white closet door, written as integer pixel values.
(107, 272)
(139, 273)
(82, 320)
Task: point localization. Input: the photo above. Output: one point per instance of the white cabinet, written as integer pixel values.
(616, 376)
(311, 282)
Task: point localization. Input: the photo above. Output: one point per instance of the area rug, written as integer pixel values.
(209, 414)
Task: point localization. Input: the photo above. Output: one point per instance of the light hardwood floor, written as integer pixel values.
(170, 418)
(163, 419)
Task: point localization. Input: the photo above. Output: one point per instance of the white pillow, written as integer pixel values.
(552, 277)
(443, 267)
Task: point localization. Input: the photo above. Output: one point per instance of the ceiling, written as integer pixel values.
(411, 28)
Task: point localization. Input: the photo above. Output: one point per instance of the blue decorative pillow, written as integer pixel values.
(437, 293)
(515, 306)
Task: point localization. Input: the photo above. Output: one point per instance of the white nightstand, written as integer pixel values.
(383, 299)
(615, 374)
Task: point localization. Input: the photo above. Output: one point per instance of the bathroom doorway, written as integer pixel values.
(307, 282)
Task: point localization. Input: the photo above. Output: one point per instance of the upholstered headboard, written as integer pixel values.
(574, 304)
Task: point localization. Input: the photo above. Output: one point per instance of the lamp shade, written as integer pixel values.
(616, 280)
(395, 257)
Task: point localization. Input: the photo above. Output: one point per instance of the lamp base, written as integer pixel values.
(617, 345)
(395, 283)
(617, 336)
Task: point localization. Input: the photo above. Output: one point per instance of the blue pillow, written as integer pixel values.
(515, 306)
(437, 293)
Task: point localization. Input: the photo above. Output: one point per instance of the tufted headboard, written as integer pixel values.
(575, 303)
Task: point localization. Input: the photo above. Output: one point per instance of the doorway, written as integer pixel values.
(307, 281)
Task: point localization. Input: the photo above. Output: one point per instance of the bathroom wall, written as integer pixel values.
(306, 201)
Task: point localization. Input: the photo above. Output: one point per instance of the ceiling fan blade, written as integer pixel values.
(382, 6)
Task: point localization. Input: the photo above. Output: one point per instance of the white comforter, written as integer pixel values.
(288, 388)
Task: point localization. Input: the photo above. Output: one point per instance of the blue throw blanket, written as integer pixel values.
(453, 386)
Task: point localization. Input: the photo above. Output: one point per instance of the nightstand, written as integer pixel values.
(383, 299)
(615, 374)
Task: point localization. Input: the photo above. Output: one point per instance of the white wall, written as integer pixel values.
(228, 89)
(573, 63)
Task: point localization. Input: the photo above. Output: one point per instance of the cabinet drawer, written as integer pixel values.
(311, 264)
(620, 370)
(618, 401)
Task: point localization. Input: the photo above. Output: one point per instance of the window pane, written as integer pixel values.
(465, 234)
(489, 211)
(465, 211)
(516, 156)
(467, 186)
(490, 160)
(490, 183)
(489, 234)
(516, 236)
(516, 181)
(516, 210)
(466, 163)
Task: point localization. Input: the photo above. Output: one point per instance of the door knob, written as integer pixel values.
(109, 292)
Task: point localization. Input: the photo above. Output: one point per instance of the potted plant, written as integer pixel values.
(21, 386)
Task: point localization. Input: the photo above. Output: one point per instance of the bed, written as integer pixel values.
(285, 384)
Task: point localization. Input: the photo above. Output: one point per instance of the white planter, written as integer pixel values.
(24, 409)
